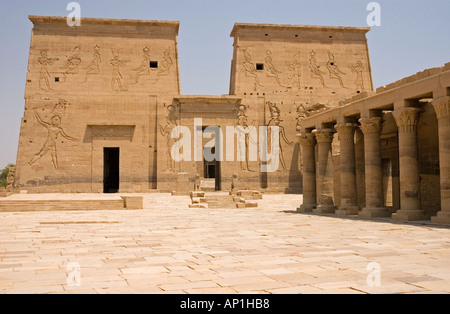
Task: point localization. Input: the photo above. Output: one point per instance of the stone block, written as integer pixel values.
(133, 202)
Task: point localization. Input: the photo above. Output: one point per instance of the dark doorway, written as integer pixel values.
(111, 178)
(211, 170)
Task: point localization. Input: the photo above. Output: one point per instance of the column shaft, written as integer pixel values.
(325, 172)
(371, 128)
(348, 204)
(410, 201)
(442, 108)
(308, 153)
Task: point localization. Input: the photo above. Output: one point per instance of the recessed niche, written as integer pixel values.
(153, 64)
(260, 66)
(57, 79)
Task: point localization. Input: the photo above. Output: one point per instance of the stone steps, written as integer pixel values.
(220, 201)
(208, 185)
(200, 199)
(67, 205)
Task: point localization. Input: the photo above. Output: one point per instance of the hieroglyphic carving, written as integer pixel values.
(62, 104)
(359, 82)
(72, 63)
(117, 81)
(250, 68)
(94, 66)
(144, 67)
(275, 120)
(295, 68)
(166, 64)
(44, 75)
(271, 69)
(166, 132)
(335, 72)
(54, 130)
(315, 69)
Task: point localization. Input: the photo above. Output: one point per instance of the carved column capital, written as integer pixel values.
(407, 118)
(442, 107)
(324, 136)
(345, 128)
(346, 132)
(370, 125)
(308, 140)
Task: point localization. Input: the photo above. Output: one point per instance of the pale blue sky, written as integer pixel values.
(413, 35)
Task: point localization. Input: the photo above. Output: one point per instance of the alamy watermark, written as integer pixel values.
(74, 17)
(374, 277)
(374, 17)
(249, 143)
(73, 275)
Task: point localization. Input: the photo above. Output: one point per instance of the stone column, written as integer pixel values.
(308, 152)
(442, 108)
(360, 168)
(371, 127)
(410, 205)
(349, 205)
(325, 202)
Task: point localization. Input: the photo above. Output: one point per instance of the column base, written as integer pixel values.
(442, 218)
(306, 208)
(374, 212)
(325, 209)
(410, 215)
(347, 210)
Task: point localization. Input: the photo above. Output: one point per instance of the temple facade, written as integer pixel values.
(104, 111)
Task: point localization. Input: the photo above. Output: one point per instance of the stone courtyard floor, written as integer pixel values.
(168, 248)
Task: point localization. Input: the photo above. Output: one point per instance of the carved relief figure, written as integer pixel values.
(295, 68)
(244, 138)
(358, 69)
(72, 62)
(94, 66)
(270, 67)
(54, 130)
(144, 68)
(166, 132)
(250, 68)
(166, 64)
(117, 78)
(335, 72)
(44, 75)
(277, 122)
(315, 69)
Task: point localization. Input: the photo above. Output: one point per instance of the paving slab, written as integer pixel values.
(169, 248)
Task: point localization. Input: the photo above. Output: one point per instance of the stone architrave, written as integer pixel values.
(308, 144)
(349, 204)
(325, 204)
(410, 201)
(442, 108)
(371, 128)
